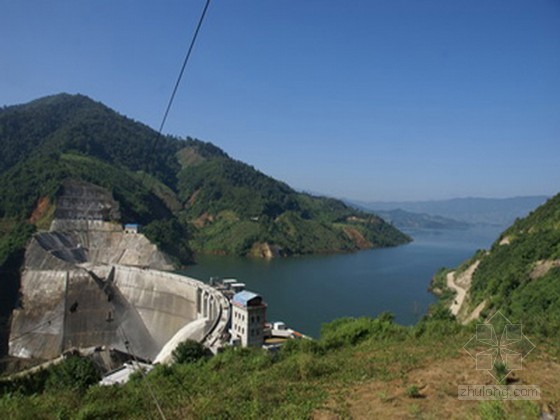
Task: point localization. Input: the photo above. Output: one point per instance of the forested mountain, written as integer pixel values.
(188, 194)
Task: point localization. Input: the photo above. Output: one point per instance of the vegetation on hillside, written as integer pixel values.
(520, 274)
(234, 207)
(212, 202)
(393, 370)
(506, 276)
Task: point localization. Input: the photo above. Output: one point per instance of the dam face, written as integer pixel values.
(89, 283)
(129, 309)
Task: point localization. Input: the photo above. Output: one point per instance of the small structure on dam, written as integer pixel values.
(86, 283)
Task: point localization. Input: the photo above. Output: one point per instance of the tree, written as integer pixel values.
(189, 351)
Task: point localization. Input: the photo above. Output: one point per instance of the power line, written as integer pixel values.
(181, 72)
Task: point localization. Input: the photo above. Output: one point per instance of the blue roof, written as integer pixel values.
(132, 225)
(243, 297)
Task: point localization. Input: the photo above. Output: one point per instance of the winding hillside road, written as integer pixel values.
(461, 293)
(461, 284)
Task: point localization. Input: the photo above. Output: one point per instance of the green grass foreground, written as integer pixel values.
(238, 383)
(305, 376)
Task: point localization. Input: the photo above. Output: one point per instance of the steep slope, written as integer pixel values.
(180, 190)
(520, 274)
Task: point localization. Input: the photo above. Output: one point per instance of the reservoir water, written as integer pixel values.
(306, 292)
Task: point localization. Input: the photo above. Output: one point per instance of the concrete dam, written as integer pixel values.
(88, 282)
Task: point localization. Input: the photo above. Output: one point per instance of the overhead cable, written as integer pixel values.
(181, 72)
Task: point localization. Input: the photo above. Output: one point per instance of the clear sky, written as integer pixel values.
(363, 99)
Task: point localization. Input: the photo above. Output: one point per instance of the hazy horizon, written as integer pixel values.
(373, 101)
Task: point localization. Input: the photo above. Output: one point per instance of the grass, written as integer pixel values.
(249, 383)
(360, 367)
(413, 392)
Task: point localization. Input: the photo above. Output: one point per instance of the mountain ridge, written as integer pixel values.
(473, 210)
(167, 183)
(403, 219)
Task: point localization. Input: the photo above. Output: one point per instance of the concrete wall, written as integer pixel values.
(97, 242)
(164, 302)
(87, 283)
(82, 200)
(37, 326)
(146, 308)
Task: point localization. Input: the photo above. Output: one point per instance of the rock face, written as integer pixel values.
(86, 229)
(87, 283)
(84, 201)
(76, 242)
(265, 250)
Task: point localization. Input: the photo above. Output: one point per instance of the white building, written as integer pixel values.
(247, 318)
(131, 228)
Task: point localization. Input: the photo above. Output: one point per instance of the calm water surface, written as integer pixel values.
(306, 292)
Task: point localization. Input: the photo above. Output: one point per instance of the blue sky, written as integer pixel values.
(364, 99)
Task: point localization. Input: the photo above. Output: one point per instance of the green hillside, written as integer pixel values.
(235, 207)
(360, 368)
(188, 194)
(520, 274)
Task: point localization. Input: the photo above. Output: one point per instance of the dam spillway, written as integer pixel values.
(89, 283)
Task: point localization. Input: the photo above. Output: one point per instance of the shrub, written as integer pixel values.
(350, 331)
(413, 392)
(75, 374)
(189, 351)
(501, 371)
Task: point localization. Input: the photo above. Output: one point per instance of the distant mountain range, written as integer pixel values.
(472, 210)
(407, 220)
